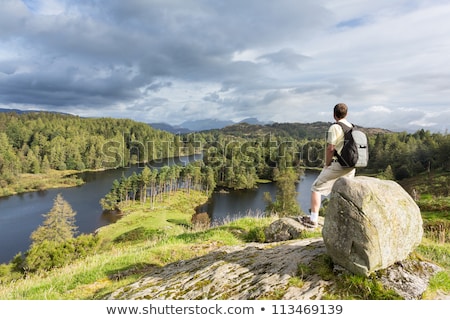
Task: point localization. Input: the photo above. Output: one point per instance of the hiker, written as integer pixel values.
(332, 169)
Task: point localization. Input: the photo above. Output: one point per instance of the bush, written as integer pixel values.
(47, 255)
(5, 270)
(85, 245)
(402, 173)
(201, 221)
(256, 235)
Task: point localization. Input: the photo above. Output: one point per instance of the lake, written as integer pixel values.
(21, 214)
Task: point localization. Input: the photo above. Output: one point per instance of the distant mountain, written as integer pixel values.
(206, 124)
(202, 125)
(169, 128)
(254, 121)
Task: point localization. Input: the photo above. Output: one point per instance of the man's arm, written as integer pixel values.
(329, 154)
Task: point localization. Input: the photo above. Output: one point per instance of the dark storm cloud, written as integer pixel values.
(184, 59)
(100, 52)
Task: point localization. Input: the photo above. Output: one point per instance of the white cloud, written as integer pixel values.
(379, 109)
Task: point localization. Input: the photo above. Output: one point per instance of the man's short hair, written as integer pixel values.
(340, 110)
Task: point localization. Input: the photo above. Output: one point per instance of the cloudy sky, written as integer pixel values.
(178, 60)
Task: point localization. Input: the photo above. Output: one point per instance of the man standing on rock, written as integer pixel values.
(332, 169)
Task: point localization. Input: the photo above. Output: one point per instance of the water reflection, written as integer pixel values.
(225, 206)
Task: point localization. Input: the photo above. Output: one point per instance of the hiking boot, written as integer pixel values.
(306, 220)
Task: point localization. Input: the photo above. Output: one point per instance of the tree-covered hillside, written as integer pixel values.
(310, 131)
(398, 154)
(38, 142)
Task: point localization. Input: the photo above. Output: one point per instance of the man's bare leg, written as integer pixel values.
(315, 201)
(315, 206)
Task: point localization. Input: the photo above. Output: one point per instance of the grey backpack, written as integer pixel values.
(355, 152)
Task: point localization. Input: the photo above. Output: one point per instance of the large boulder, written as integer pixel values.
(370, 224)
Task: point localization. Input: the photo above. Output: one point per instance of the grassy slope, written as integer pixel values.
(434, 201)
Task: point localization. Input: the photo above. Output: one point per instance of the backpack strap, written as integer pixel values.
(346, 129)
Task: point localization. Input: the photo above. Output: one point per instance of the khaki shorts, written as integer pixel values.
(328, 177)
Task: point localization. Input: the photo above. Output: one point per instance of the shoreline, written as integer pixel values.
(30, 182)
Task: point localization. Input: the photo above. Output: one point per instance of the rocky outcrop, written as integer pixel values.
(409, 278)
(285, 270)
(253, 271)
(286, 228)
(370, 224)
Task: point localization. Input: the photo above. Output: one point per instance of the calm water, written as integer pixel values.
(21, 214)
(223, 206)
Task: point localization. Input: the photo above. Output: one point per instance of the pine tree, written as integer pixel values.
(59, 224)
(286, 197)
